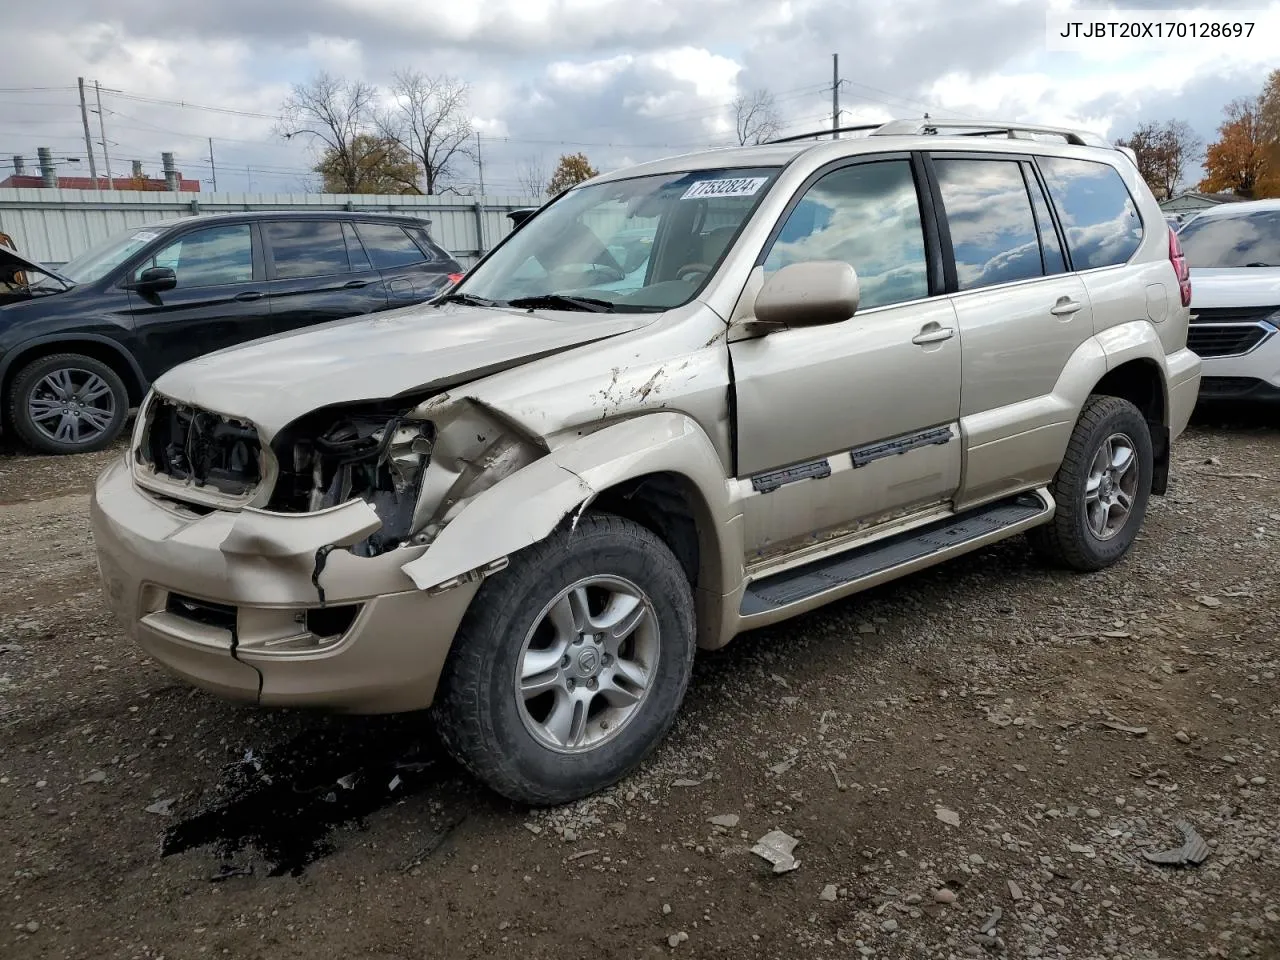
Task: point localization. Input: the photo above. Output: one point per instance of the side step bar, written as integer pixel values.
(865, 566)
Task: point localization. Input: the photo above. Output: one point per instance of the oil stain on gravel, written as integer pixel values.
(285, 804)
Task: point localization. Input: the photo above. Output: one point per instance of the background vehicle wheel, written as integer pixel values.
(571, 664)
(68, 403)
(1102, 488)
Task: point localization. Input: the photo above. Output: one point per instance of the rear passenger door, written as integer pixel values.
(319, 272)
(414, 269)
(1022, 315)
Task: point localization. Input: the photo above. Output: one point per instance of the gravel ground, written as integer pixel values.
(973, 762)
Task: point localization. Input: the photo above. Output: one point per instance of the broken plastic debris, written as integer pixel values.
(348, 782)
(1124, 728)
(776, 846)
(727, 820)
(949, 817)
(395, 782)
(162, 808)
(1193, 851)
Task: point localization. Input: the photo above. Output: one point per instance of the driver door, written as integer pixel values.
(846, 424)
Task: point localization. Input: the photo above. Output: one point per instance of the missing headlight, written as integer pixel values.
(377, 456)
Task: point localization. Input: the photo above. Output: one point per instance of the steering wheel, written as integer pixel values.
(696, 269)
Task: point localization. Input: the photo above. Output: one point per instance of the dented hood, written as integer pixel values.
(273, 381)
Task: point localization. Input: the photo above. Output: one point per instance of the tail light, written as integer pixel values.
(455, 277)
(1180, 267)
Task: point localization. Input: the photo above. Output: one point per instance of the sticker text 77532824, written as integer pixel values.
(729, 187)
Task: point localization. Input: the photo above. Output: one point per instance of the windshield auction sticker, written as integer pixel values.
(732, 187)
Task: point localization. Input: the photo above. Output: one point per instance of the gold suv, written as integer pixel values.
(680, 401)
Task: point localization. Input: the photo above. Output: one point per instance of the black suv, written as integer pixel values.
(79, 345)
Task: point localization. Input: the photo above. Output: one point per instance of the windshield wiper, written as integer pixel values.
(561, 301)
(468, 298)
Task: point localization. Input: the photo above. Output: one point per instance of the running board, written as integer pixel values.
(881, 560)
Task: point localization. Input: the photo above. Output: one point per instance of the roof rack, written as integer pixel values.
(826, 133)
(964, 128)
(986, 128)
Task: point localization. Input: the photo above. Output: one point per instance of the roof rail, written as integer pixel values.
(826, 133)
(986, 128)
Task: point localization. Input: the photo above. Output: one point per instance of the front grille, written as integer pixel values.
(201, 449)
(1226, 339)
(1232, 314)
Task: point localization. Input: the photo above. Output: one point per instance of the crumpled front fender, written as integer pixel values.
(528, 505)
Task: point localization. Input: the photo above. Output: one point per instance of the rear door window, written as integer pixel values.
(307, 248)
(993, 227)
(1099, 216)
(389, 246)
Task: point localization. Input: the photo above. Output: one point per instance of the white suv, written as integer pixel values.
(1234, 254)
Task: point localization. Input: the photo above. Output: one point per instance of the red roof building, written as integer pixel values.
(86, 183)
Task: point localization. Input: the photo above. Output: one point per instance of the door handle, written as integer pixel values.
(1065, 307)
(355, 284)
(933, 334)
(250, 295)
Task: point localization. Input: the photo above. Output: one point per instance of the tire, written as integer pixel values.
(504, 737)
(1074, 538)
(96, 411)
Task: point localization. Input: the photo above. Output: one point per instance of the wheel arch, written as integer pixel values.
(659, 470)
(100, 348)
(1136, 372)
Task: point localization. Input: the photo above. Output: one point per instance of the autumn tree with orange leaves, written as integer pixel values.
(1245, 159)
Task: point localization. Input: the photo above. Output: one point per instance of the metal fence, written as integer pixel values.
(53, 226)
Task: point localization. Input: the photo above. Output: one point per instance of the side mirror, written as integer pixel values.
(809, 294)
(155, 280)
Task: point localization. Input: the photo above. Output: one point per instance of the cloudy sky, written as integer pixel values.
(621, 80)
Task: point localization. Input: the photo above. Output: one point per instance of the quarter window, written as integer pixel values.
(389, 246)
(1098, 214)
(993, 228)
(307, 248)
(209, 257)
(867, 215)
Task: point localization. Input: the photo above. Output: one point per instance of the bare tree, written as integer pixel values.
(756, 117)
(336, 113)
(430, 120)
(532, 176)
(1164, 151)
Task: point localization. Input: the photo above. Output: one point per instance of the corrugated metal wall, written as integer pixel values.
(53, 226)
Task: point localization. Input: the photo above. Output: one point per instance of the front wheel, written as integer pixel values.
(571, 664)
(1102, 488)
(68, 403)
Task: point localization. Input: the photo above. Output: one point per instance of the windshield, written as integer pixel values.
(102, 258)
(1247, 240)
(638, 245)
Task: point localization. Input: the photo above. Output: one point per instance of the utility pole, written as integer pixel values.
(480, 163)
(102, 129)
(88, 141)
(835, 95)
(212, 168)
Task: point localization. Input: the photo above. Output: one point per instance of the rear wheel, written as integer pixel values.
(571, 664)
(68, 403)
(1101, 488)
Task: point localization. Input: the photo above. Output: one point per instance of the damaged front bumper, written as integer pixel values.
(269, 608)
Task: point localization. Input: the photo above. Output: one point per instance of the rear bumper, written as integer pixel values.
(1184, 369)
(255, 635)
